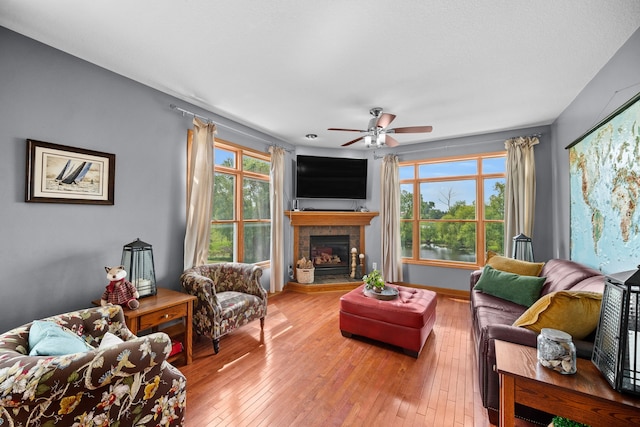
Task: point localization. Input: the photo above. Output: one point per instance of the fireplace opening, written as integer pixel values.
(330, 254)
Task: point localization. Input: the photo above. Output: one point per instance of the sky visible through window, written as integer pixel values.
(224, 157)
(446, 193)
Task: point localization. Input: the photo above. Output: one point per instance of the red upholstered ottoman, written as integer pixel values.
(405, 322)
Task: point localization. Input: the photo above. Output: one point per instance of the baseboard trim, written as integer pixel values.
(327, 287)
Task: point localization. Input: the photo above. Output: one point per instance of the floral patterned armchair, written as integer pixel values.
(128, 383)
(229, 296)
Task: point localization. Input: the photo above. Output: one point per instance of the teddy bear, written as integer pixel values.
(119, 291)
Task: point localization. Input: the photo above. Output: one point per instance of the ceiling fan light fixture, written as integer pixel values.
(376, 131)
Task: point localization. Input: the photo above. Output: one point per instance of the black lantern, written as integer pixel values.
(137, 259)
(616, 349)
(522, 248)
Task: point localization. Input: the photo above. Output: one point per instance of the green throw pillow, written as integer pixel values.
(523, 290)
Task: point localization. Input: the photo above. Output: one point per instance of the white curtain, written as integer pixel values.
(199, 195)
(390, 219)
(276, 199)
(520, 190)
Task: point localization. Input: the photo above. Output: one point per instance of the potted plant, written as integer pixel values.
(565, 422)
(374, 281)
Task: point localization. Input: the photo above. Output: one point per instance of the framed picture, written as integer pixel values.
(62, 174)
(604, 180)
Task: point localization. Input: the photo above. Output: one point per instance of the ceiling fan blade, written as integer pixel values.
(385, 120)
(390, 142)
(347, 130)
(412, 129)
(351, 142)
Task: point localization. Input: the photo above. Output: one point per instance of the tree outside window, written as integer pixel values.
(452, 210)
(241, 222)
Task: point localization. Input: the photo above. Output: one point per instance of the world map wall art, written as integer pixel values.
(604, 171)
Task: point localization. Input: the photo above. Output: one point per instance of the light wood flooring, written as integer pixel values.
(302, 372)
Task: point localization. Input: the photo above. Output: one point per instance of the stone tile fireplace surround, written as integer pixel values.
(327, 223)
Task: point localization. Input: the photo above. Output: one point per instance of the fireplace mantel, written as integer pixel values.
(329, 220)
(302, 218)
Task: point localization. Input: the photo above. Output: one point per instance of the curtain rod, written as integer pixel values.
(533, 135)
(288, 150)
(209, 120)
(189, 113)
(446, 147)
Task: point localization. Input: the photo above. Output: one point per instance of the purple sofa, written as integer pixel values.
(492, 318)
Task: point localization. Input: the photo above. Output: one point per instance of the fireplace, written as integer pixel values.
(328, 224)
(330, 254)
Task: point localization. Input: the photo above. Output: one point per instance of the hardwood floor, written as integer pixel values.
(302, 372)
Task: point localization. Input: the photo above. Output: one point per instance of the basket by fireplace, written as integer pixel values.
(305, 275)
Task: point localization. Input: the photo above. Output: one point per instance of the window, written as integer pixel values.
(440, 209)
(241, 217)
(241, 222)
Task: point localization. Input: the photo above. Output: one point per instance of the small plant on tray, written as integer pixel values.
(374, 281)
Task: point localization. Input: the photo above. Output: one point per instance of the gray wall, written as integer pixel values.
(615, 84)
(52, 256)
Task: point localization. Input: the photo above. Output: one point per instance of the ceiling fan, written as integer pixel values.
(377, 133)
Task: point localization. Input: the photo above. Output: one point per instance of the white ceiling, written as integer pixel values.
(292, 67)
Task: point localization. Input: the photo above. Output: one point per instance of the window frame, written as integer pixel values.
(238, 221)
(479, 177)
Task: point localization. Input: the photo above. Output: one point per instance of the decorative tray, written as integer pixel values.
(388, 293)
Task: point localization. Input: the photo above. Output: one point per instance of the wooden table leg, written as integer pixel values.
(507, 401)
(188, 333)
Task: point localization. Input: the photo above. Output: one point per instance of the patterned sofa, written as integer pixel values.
(229, 296)
(125, 384)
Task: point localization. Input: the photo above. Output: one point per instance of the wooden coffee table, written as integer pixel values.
(585, 396)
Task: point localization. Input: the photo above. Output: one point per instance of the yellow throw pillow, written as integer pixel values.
(510, 265)
(574, 312)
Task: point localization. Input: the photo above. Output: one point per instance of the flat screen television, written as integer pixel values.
(330, 178)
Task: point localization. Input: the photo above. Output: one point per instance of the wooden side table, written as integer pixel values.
(166, 306)
(585, 396)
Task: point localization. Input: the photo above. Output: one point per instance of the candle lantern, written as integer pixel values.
(137, 259)
(522, 248)
(616, 348)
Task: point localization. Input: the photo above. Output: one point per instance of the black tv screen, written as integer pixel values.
(330, 178)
